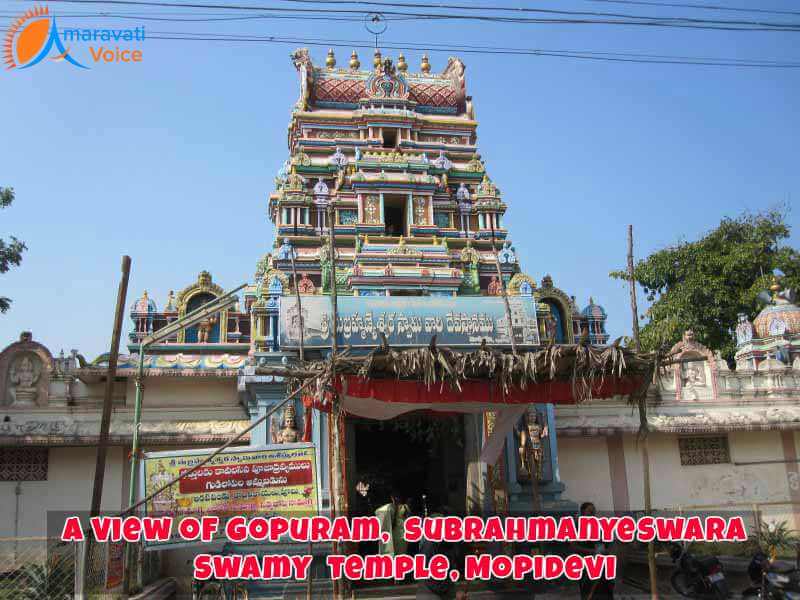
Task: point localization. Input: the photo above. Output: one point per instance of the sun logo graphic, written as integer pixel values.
(32, 38)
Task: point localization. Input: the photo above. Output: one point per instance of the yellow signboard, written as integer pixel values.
(267, 481)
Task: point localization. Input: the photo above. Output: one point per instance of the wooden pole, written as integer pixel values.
(105, 421)
(334, 432)
(632, 285)
(504, 293)
(536, 500)
(648, 505)
(310, 577)
(299, 306)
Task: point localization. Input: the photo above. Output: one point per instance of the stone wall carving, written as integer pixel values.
(26, 368)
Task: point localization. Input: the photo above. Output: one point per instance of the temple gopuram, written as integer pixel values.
(389, 160)
(385, 200)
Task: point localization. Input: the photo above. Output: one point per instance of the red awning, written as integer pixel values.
(388, 398)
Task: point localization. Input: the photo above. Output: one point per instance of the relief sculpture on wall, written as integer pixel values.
(25, 371)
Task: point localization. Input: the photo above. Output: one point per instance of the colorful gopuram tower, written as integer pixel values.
(390, 160)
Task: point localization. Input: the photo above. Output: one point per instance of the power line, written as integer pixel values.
(598, 56)
(618, 57)
(699, 7)
(522, 9)
(630, 20)
(432, 46)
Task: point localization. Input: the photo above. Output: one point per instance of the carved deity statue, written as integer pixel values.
(421, 211)
(288, 434)
(305, 285)
(693, 377)
(530, 449)
(371, 209)
(204, 329)
(325, 267)
(551, 328)
(24, 374)
(495, 287)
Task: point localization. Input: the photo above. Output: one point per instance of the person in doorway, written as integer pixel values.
(392, 517)
(593, 589)
(431, 589)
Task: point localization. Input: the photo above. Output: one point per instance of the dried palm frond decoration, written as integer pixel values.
(584, 366)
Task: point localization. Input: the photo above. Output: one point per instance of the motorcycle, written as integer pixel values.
(697, 577)
(772, 580)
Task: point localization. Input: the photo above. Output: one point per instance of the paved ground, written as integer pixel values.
(631, 587)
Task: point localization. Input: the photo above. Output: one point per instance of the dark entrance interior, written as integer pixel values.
(394, 215)
(416, 455)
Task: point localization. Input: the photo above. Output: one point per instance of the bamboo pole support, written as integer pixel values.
(108, 397)
(338, 507)
(536, 500)
(299, 306)
(648, 504)
(310, 578)
(504, 293)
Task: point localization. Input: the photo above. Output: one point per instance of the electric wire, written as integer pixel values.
(179, 16)
(522, 9)
(631, 20)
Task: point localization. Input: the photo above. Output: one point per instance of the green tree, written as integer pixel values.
(11, 251)
(703, 285)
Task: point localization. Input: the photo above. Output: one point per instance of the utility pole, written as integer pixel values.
(108, 398)
(648, 505)
(105, 422)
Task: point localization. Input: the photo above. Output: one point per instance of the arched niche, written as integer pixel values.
(203, 291)
(25, 371)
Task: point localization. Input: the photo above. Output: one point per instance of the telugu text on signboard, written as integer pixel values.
(455, 321)
(268, 481)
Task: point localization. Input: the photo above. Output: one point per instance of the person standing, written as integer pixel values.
(392, 518)
(431, 589)
(593, 589)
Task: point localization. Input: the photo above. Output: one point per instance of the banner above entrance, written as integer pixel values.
(455, 321)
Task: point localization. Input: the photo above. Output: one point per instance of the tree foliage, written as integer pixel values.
(703, 285)
(10, 251)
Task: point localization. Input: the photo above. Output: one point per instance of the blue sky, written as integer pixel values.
(171, 160)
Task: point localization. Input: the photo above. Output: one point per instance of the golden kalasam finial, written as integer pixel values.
(355, 64)
(330, 61)
(402, 65)
(776, 285)
(377, 60)
(425, 65)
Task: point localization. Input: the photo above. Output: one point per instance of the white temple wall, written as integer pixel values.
(584, 469)
(591, 467)
(70, 478)
(185, 392)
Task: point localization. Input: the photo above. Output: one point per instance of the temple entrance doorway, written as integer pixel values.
(394, 215)
(420, 456)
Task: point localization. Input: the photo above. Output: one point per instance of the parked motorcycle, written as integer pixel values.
(697, 577)
(772, 580)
